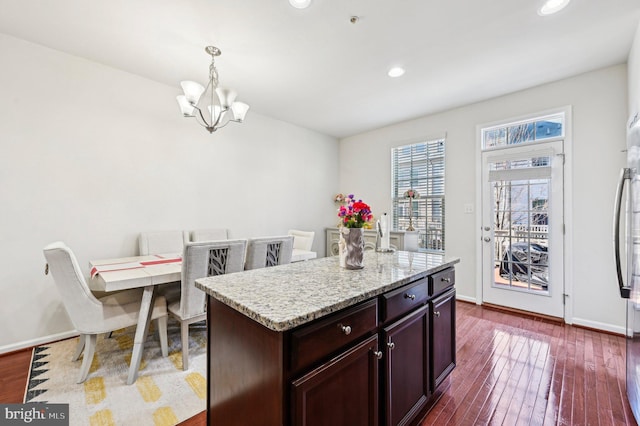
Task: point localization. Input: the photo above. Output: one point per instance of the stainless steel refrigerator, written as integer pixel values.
(627, 255)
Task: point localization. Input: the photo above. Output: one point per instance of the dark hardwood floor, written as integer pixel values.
(511, 370)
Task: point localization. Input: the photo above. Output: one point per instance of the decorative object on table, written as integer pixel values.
(382, 234)
(219, 100)
(411, 194)
(163, 394)
(353, 215)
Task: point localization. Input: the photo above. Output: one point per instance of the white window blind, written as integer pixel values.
(420, 166)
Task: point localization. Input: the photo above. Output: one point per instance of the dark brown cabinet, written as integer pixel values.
(406, 367)
(443, 335)
(343, 391)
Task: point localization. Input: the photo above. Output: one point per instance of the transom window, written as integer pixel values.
(420, 167)
(528, 131)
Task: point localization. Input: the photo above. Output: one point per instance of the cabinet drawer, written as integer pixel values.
(404, 299)
(441, 281)
(314, 342)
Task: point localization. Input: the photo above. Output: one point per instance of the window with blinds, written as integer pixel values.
(420, 167)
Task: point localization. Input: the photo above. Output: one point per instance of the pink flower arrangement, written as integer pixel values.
(355, 214)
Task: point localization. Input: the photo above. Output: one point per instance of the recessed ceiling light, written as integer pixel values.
(300, 4)
(552, 6)
(396, 72)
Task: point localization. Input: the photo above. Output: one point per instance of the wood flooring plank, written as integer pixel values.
(533, 411)
(578, 404)
(14, 371)
(624, 414)
(506, 407)
(601, 387)
(468, 377)
(525, 400)
(505, 367)
(483, 383)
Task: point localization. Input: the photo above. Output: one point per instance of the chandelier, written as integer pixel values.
(218, 99)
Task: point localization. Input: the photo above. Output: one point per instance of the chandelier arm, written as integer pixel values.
(204, 120)
(222, 112)
(228, 121)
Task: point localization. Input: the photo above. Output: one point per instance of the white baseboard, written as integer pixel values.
(466, 298)
(37, 342)
(599, 326)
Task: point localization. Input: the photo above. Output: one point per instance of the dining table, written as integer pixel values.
(134, 272)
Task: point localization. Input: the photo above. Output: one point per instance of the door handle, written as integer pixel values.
(625, 174)
(487, 239)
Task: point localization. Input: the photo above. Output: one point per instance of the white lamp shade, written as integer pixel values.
(226, 96)
(215, 112)
(192, 91)
(185, 106)
(239, 110)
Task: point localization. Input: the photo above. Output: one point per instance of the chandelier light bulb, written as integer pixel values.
(396, 72)
(300, 4)
(552, 6)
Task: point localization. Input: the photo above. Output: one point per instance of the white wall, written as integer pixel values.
(92, 156)
(599, 102)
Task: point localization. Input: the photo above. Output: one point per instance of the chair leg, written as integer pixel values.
(162, 334)
(184, 332)
(79, 348)
(89, 350)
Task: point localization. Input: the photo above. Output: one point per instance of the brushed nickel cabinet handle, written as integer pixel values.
(436, 314)
(410, 296)
(378, 354)
(391, 345)
(446, 280)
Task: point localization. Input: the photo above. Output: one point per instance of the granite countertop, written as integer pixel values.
(286, 296)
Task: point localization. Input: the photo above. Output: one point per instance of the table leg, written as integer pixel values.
(146, 307)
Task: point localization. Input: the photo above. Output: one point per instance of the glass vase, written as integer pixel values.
(351, 248)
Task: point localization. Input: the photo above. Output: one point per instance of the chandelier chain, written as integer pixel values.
(213, 72)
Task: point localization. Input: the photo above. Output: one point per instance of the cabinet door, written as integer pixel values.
(443, 335)
(341, 392)
(406, 367)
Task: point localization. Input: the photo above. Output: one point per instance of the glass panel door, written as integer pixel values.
(523, 228)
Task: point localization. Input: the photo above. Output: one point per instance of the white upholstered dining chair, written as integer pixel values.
(268, 251)
(200, 260)
(302, 243)
(213, 234)
(92, 316)
(162, 242)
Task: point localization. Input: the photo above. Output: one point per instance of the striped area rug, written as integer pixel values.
(164, 394)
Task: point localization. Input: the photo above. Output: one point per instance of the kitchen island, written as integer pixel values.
(312, 343)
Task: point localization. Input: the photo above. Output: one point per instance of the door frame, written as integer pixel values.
(568, 202)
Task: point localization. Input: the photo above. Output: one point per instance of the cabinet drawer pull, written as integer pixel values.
(345, 329)
(446, 280)
(378, 354)
(436, 313)
(410, 296)
(391, 345)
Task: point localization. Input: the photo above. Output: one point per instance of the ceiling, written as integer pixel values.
(314, 68)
